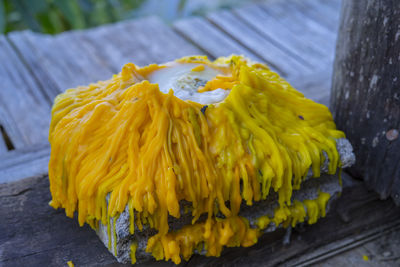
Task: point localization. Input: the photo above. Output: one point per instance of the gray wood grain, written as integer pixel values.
(34, 62)
(267, 48)
(315, 86)
(142, 41)
(25, 109)
(80, 57)
(321, 12)
(275, 29)
(26, 162)
(365, 93)
(291, 28)
(11, 130)
(33, 234)
(210, 39)
(61, 59)
(372, 243)
(3, 147)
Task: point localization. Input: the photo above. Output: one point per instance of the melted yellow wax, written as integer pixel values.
(149, 150)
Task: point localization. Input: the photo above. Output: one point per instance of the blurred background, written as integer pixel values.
(55, 16)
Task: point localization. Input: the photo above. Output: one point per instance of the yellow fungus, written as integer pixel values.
(312, 211)
(198, 68)
(70, 264)
(133, 248)
(322, 200)
(263, 222)
(124, 142)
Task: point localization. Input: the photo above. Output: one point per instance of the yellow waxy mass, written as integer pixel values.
(126, 142)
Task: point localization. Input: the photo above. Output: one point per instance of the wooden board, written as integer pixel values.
(284, 60)
(277, 30)
(34, 234)
(380, 245)
(213, 41)
(365, 92)
(143, 41)
(382, 251)
(3, 146)
(24, 109)
(61, 60)
(22, 163)
(80, 57)
(9, 132)
(321, 12)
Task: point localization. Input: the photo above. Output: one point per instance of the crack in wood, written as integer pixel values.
(18, 193)
(6, 138)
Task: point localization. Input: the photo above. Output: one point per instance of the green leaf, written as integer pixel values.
(99, 15)
(2, 17)
(45, 23)
(70, 9)
(23, 7)
(181, 5)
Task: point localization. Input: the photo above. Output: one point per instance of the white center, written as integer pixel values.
(185, 82)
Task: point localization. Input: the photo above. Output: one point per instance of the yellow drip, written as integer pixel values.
(296, 213)
(133, 247)
(115, 234)
(151, 150)
(198, 68)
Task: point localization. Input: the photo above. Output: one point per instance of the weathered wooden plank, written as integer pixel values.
(10, 130)
(365, 92)
(3, 147)
(323, 255)
(290, 21)
(25, 109)
(23, 163)
(267, 47)
(213, 41)
(332, 4)
(307, 52)
(80, 57)
(291, 29)
(143, 41)
(320, 13)
(34, 62)
(32, 233)
(62, 59)
(314, 86)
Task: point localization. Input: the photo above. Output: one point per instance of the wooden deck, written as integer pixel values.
(296, 38)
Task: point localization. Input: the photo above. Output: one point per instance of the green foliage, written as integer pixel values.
(2, 17)
(54, 16)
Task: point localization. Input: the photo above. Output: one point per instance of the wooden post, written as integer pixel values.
(365, 97)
